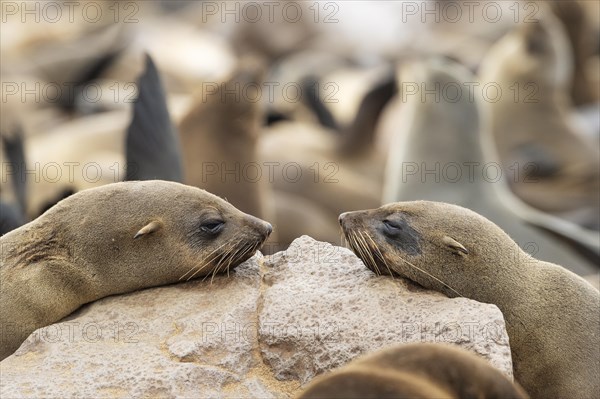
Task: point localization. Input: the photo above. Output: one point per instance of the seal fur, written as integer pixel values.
(115, 239)
(452, 132)
(412, 371)
(559, 167)
(552, 315)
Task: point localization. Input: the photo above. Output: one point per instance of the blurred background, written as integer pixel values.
(298, 111)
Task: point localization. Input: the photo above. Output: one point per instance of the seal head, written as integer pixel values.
(413, 239)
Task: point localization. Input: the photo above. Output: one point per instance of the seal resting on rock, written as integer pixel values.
(115, 239)
(552, 315)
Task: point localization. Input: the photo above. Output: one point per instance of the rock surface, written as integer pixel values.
(323, 307)
(264, 331)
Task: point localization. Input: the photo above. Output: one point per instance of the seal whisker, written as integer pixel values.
(353, 245)
(379, 254)
(358, 249)
(206, 263)
(228, 257)
(366, 247)
(199, 268)
(432, 276)
(235, 256)
(362, 254)
(345, 241)
(369, 253)
(209, 259)
(249, 248)
(217, 267)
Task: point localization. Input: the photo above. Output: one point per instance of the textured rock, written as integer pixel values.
(323, 308)
(264, 331)
(194, 339)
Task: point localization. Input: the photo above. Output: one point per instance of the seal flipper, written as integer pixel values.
(312, 99)
(76, 101)
(152, 145)
(12, 215)
(13, 147)
(11, 218)
(361, 133)
(536, 160)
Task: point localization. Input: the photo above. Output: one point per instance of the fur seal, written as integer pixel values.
(434, 145)
(94, 156)
(579, 30)
(53, 52)
(161, 233)
(552, 315)
(412, 371)
(219, 136)
(335, 172)
(318, 172)
(559, 169)
(338, 170)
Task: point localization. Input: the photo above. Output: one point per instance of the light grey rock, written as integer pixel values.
(323, 308)
(264, 331)
(194, 339)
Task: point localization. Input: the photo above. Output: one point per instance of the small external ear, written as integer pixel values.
(455, 245)
(148, 229)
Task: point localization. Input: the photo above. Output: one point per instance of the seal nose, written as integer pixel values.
(341, 218)
(268, 229)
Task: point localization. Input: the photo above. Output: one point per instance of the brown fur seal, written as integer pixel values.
(415, 371)
(219, 136)
(552, 315)
(115, 239)
(312, 168)
(578, 26)
(552, 167)
(433, 146)
(340, 168)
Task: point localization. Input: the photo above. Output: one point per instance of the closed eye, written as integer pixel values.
(212, 226)
(392, 225)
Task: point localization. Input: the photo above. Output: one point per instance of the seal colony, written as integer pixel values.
(415, 371)
(454, 132)
(560, 167)
(551, 314)
(162, 233)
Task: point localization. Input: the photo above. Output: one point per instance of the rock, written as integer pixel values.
(264, 331)
(323, 308)
(594, 280)
(194, 339)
